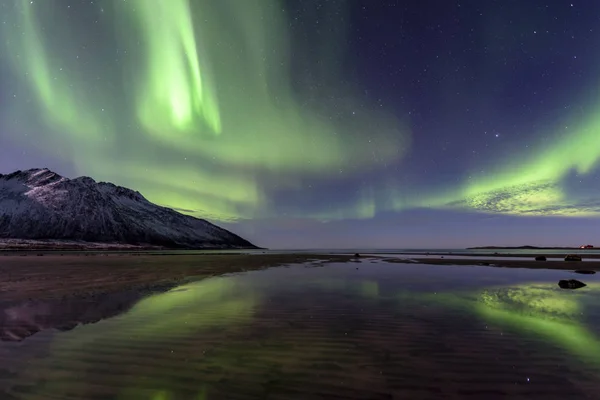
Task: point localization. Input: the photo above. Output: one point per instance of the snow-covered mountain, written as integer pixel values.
(40, 204)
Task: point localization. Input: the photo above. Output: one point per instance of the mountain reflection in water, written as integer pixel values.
(18, 322)
(382, 331)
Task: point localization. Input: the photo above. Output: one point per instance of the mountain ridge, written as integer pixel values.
(39, 204)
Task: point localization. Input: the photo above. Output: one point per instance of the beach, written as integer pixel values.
(50, 275)
(40, 276)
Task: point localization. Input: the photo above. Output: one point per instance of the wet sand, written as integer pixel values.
(51, 276)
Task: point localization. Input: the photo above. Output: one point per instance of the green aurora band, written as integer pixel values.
(536, 184)
(173, 92)
(530, 183)
(208, 86)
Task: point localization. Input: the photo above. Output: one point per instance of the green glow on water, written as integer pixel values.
(536, 310)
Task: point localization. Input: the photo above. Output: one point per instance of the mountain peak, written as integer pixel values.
(37, 177)
(41, 204)
(85, 180)
(34, 176)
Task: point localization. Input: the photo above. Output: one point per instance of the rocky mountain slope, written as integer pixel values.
(39, 204)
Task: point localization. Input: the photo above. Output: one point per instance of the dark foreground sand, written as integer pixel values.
(52, 275)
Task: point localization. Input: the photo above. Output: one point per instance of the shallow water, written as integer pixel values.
(360, 330)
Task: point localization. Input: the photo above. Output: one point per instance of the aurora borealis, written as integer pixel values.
(379, 125)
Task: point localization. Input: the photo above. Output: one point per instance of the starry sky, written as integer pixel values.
(319, 123)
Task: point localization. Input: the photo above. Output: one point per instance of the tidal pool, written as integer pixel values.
(359, 330)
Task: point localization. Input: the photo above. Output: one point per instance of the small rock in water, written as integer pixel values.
(573, 257)
(570, 284)
(356, 255)
(484, 263)
(540, 258)
(585, 271)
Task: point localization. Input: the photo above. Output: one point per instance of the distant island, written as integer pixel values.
(583, 247)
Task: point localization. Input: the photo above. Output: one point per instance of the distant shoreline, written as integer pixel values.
(504, 255)
(529, 264)
(529, 248)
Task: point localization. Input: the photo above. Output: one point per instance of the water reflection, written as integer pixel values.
(378, 332)
(536, 310)
(20, 321)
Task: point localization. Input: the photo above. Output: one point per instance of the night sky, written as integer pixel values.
(319, 124)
